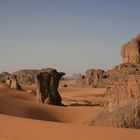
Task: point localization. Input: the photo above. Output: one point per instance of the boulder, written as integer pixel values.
(47, 82)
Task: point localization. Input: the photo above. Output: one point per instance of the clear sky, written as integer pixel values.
(69, 35)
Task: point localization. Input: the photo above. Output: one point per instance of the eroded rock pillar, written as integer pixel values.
(47, 82)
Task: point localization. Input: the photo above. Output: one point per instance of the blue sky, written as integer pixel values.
(69, 35)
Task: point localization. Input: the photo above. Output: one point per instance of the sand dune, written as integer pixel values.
(22, 118)
(14, 128)
(24, 105)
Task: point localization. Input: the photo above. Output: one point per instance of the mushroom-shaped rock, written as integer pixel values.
(47, 82)
(13, 82)
(130, 51)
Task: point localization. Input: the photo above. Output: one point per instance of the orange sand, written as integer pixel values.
(22, 118)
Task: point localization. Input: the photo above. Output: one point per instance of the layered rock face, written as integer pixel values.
(13, 82)
(131, 51)
(47, 82)
(26, 76)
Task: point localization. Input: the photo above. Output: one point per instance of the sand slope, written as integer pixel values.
(13, 128)
(22, 104)
(22, 118)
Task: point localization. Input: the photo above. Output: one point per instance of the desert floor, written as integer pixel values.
(22, 118)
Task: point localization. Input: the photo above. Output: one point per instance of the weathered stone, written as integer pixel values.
(92, 78)
(131, 51)
(26, 76)
(13, 82)
(4, 76)
(122, 108)
(47, 82)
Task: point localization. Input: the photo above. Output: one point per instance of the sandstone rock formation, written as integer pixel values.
(104, 79)
(47, 82)
(92, 78)
(4, 76)
(26, 76)
(13, 82)
(122, 108)
(119, 71)
(131, 51)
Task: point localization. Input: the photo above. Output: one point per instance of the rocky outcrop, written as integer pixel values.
(122, 108)
(104, 79)
(92, 78)
(124, 69)
(47, 82)
(4, 76)
(26, 76)
(119, 71)
(13, 82)
(131, 51)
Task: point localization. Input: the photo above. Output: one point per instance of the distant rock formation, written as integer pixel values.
(92, 78)
(26, 76)
(4, 76)
(103, 79)
(47, 82)
(13, 82)
(131, 51)
(75, 76)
